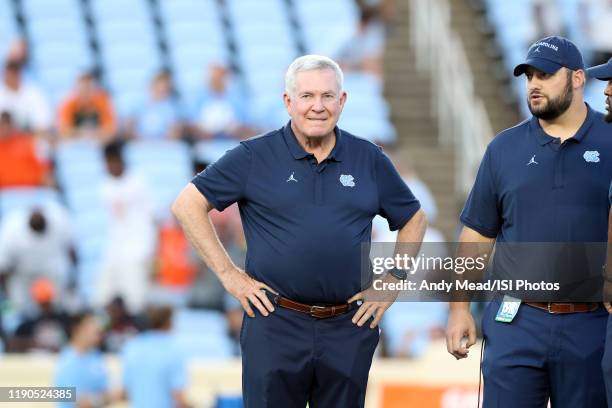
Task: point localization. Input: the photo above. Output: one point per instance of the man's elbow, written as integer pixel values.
(178, 206)
(419, 220)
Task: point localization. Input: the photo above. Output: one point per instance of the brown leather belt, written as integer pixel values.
(562, 308)
(320, 312)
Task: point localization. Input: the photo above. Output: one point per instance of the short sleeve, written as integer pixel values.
(223, 182)
(481, 211)
(610, 195)
(396, 202)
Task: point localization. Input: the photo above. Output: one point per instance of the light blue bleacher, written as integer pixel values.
(366, 113)
(326, 25)
(59, 64)
(80, 171)
(196, 40)
(12, 199)
(129, 50)
(8, 26)
(108, 10)
(258, 12)
(194, 11)
(594, 94)
(79, 163)
(191, 64)
(202, 334)
(41, 10)
(59, 44)
(166, 167)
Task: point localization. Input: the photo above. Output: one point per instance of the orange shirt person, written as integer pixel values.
(21, 161)
(87, 112)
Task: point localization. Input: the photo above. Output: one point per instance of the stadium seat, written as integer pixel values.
(124, 32)
(79, 163)
(8, 26)
(209, 151)
(202, 334)
(264, 36)
(197, 56)
(204, 33)
(166, 167)
(247, 12)
(22, 198)
(324, 32)
(36, 11)
(65, 30)
(194, 11)
(108, 10)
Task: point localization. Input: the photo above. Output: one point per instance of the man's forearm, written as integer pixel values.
(472, 245)
(191, 209)
(410, 236)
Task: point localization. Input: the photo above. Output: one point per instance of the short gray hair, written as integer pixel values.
(310, 63)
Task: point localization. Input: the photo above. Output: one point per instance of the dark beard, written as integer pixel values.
(608, 117)
(555, 107)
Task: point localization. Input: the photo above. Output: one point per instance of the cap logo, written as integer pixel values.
(545, 44)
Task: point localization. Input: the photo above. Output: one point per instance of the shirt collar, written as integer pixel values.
(544, 138)
(298, 152)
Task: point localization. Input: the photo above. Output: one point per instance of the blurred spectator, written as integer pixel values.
(87, 111)
(596, 16)
(23, 159)
(19, 52)
(46, 330)
(25, 101)
(208, 292)
(120, 326)
(158, 118)
(35, 244)
(81, 365)
(363, 52)
(547, 19)
(127, 261)
(175, 266)
(220, 111)
(386, 8)
(154, 369)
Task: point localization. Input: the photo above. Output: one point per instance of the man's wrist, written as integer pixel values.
(398, 274)
(459, 306)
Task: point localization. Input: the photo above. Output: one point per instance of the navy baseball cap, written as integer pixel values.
(551, 53)
(602, 72)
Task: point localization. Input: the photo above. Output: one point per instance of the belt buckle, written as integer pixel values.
(314, 308)
(548, 306)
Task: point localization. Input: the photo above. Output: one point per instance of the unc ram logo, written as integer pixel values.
(591, 156)
(347, 180)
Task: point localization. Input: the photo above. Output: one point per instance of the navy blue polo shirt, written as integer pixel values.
(305, 222)
(532, 188)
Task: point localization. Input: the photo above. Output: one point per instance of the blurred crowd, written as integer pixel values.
(146, 258)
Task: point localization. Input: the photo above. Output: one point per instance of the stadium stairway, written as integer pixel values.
(409, 97)
(484, 54)
(408, 93)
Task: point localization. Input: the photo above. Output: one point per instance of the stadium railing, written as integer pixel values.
(462, 118)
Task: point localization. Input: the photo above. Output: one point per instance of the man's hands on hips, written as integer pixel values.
(460, 325)
(248, 291)
(375, 303)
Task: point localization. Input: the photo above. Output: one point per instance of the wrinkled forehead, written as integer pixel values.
(316, 81)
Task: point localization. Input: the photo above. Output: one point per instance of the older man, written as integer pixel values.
(307, 195)
(603, 72)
